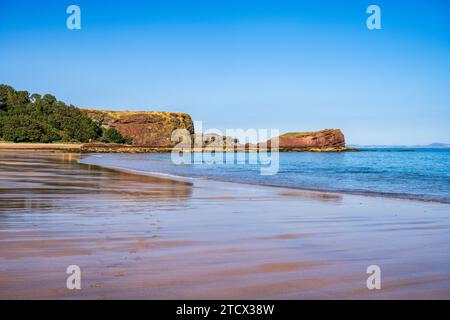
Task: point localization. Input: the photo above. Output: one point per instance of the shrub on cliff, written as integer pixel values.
(36, 118)
(111, 135)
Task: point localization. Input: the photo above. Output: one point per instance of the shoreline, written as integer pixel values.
(406, 197)
(118, 148)
(78, 148)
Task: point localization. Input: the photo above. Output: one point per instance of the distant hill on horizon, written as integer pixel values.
(431, 145)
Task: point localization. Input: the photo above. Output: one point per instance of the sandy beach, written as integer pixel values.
(136, 236)
(39, 146)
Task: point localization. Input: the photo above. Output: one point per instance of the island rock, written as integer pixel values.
(324, 140)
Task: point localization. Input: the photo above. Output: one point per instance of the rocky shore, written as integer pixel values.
(119, 148)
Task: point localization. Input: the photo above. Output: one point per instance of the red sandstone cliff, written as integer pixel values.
(325, 139)
(146, 128)
(154, 129)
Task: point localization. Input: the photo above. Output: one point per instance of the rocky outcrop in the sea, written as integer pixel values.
(324, 140)
(212, 140)
(145, 128)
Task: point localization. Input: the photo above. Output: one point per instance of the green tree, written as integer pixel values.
(111, 135)
(36, 118)
(23, 128)
(5, 96)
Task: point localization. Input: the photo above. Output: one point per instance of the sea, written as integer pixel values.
(418, 174)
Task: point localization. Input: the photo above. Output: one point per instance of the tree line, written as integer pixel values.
(26, 117)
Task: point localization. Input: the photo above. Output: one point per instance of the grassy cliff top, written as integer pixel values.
(128, 113)
(305, 134)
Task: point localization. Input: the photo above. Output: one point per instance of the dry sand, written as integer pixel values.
(39, 146)
(145, 237)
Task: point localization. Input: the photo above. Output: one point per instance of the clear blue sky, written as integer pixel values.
(292, 65)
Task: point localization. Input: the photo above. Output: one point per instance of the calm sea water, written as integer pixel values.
(420, 174)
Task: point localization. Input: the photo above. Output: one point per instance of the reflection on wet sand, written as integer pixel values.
(320, 196)
(136, 236)
(59, 176)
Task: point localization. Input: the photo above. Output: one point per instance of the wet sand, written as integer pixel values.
(136, 236)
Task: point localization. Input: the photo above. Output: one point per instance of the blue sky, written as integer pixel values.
(292, 65)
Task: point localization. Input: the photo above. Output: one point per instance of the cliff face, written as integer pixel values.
(325, 139)
(147, 128)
